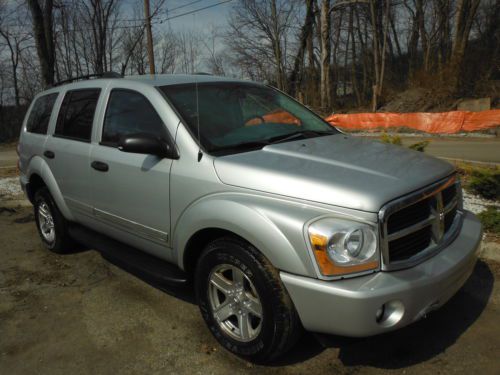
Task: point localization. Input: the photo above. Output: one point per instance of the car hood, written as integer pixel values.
(338, 170)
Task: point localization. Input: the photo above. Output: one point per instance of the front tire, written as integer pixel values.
(51, 224)
(243, 301)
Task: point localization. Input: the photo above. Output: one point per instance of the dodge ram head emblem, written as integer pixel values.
(439, 214)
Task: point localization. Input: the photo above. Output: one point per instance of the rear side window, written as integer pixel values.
(77, 114)
(129, 112)
(38, 120)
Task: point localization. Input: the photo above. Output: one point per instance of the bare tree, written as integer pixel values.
(325, 90)
(41, 12)
(99, 15)
(215, 58)
(16, 44)
(259, 32)
(464, 18)
(167, 49)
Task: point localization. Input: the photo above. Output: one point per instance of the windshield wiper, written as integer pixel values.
(254, 145)
(297, 135)
(241, 146)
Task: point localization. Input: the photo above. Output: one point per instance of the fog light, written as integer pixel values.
(379, 313)
(390, 313)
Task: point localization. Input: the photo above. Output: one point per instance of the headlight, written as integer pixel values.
(342, 247)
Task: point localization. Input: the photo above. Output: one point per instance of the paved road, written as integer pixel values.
(486, 150)
(475, 149)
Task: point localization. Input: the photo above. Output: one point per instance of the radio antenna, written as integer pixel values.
(200, 154)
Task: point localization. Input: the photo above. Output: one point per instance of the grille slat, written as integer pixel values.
(449, 194)
(406, 247)
(420, 226)
(408, 216)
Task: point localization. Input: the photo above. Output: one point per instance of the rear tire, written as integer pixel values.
(51, 224)
(243, 301)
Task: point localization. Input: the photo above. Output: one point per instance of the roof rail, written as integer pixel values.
(88, 76)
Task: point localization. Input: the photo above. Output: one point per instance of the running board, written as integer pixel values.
(130, 259)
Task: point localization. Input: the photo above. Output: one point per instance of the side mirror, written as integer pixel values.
(147, 144)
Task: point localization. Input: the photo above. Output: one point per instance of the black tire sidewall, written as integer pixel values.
(220, 253)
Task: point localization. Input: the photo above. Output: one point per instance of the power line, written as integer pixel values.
(185, 5)
(159, 22)
(194, 11)
(168, 11)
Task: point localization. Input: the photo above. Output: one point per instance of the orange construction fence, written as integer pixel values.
(445, 122)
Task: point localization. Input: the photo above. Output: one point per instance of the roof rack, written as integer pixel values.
(89, 76)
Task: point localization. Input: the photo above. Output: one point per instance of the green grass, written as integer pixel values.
(485, 183)
(396, 140)
(490, 220)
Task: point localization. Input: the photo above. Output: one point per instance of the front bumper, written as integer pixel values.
(349, 307)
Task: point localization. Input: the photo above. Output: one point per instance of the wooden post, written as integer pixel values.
(151, 55)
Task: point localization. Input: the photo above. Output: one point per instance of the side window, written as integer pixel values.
(77, 114)
(38, 120)
(129, 112)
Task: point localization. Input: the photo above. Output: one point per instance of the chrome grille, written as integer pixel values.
(415, 227)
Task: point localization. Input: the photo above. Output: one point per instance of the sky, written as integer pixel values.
(202, 19)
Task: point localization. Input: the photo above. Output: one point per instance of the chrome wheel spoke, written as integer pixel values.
(43, 212)
(46, 222)
(223, 312)
(235, 303)
(244, 326)
(238, 276)
(221, 283)
(253, 306)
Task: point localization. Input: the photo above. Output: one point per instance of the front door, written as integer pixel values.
(130, 192)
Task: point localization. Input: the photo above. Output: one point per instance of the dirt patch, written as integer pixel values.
(9, 172)
(76, 313)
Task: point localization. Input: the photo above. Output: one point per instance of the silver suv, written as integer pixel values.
(280, 221)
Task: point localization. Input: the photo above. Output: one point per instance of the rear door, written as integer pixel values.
(34, 134)
(67, 150)
(131, 194)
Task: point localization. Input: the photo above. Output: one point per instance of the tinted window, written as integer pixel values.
(77, 114)
(129, 112)
(238, 114)
(38, 120)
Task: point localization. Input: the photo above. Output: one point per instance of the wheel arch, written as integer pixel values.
(40, 175)
(209, 219)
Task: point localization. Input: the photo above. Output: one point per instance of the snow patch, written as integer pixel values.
(10, 186)
(475, 203)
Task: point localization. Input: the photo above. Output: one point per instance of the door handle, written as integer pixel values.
(49, 154)
(99, 166)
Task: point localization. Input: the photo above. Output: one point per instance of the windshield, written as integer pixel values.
(240, 116)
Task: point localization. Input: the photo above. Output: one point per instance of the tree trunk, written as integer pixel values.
(376, 63)
(306, 31)
(354, 80)
(44, 40)
(280, 77)
(325, 89)
(423, 33)
(466, 12)
(384, 48)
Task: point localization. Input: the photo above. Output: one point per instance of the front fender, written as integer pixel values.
(275, 227)
(38, 165)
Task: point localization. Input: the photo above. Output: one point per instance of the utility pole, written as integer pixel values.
(151, 55)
